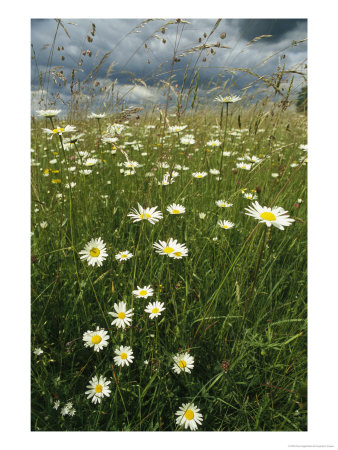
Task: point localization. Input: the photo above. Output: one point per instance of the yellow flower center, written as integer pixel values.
(168, 250)
(58, 130)
(268, 216)
(182, 364)
(121, 315)
(98, 388)
(123, 256)
(155, 311)
(223, 204)
(189, 415)
(225, 226)
(175, 211)
(94, 252)
(96, 339)
(178, 254)
(143, 292)
(123, 355)
(199, 176)
(145, 216)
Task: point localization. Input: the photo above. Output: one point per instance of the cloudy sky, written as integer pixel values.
(142, 51)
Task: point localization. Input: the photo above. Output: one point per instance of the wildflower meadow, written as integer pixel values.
(168, 240)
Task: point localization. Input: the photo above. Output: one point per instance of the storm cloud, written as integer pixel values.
(140, 49)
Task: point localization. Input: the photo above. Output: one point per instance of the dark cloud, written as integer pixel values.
(126, 41)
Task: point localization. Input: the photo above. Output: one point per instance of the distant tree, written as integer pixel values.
(301, 102)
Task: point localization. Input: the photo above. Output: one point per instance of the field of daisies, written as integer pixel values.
(168, 271)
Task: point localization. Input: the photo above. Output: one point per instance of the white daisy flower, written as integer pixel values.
(48, 112)
(183, 362)
(227, 99)
(223, 204)
(98, 388)
(123, 317)
(96, 116)
(60, 130)
(38, 351)
(149, 214)
(245, 166)
(97, 339)
(154, 309)
(94, 252)
(166, 180)
(189, 416)
(146, 291)
(176, 209)
(124, 356)
(275, 216)
(171, 248)
(199, 174)
(85, 171)
(56, 404)
(187, 140)
(131, 164)
(214, 171)
(44, 225)
(225, 224)
(226, 153)
(70, 185)
(90, 162)
(176, 128)
(214, 143)
(250, 196)
(202, 215)
(124, 255)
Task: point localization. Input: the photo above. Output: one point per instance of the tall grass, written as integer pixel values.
(237, 303)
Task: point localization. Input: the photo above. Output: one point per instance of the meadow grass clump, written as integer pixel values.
(158, 302)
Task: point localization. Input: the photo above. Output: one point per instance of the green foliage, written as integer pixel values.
(237, 304)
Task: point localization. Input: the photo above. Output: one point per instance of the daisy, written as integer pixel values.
(166, 180)
(225, 224)
(176, 209)
(96, 116)
(94, 252)
(123, 256)
(90, 162)
(187, 140)
(43, 224)
(223, 204)
(38, 351)
(144, 292)
(189, 416)
(98, 388)
(149, 214)
(97, 339)
(124, 356)
(154, 309)
(275, 216)
(227, 99)
(215, 143)
(60, 130)
(123, 317)
(56, 404)
(214, 171)
(176, 128)
(183, 362)
(171, 248)
(199, 174)
(245, 166)
(250, 196)
(48, 112)
(131, 164)
(202, 215)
